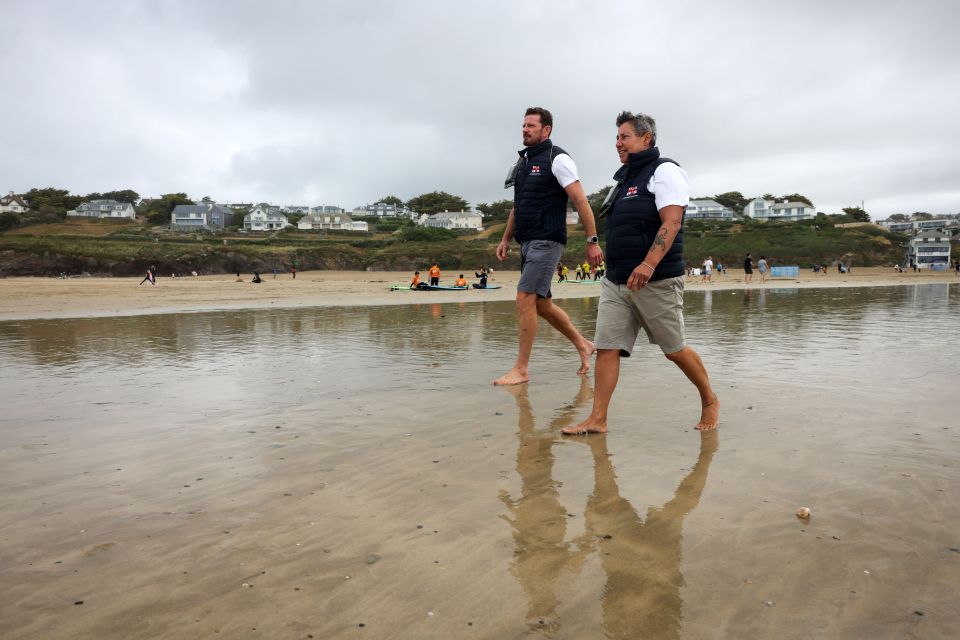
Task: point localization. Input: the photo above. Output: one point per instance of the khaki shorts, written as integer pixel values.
(657, 308)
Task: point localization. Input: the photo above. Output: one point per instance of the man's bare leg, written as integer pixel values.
(560, 321)
(527, 322)
(692, 366)
(605, 378)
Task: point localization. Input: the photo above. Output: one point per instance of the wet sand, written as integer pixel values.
(23, 298)
(350, 473)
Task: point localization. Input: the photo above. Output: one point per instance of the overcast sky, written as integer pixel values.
(312, 102)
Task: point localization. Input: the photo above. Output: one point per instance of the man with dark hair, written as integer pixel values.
(643, 286)
(543, 179)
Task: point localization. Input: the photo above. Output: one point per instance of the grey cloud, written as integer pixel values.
(344, 102)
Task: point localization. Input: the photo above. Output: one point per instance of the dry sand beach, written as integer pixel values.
(23, 298)
(324, 458)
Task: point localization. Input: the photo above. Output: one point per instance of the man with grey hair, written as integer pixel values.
(543, 180)
(643, 286)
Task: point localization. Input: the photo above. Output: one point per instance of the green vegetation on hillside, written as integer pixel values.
(99, 247)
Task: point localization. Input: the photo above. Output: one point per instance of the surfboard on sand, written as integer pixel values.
(400, 287)
(489, 286)
(438, 287)
(582, 281)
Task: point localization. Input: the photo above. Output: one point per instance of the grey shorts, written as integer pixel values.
(538, 263)
(657, 308)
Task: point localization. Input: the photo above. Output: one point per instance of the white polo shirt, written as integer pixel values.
(564, 169)
(669, 185)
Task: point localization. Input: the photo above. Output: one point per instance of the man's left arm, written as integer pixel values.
(671, 218)
(575, 192)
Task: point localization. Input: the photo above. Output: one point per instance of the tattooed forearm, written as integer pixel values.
(661, 240)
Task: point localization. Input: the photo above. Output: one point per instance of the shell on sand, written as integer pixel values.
(803, 512)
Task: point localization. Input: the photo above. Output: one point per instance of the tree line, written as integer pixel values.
(51, 204)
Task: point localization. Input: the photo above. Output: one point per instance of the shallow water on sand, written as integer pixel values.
(350, 472)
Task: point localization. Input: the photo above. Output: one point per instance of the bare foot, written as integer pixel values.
(588, 426)
(709, 415)
(514, 376)
(585, 352)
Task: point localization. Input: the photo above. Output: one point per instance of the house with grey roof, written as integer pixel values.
(104, 209)
(12, 203)
(704, 209)
(382, 209)
(207, 216)
(265, 218)
(331, 222)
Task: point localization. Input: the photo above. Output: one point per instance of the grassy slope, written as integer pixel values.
(128, 249)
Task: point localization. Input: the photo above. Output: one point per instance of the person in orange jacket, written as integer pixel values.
(434, 275)
(416, 280)
(460, 282)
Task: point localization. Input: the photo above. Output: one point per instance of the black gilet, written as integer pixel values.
(633, 222)
(539, 202)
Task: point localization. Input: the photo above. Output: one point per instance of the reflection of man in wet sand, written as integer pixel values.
(538, 518)
(641, 557)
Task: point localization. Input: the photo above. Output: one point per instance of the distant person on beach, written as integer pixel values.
(586, 270)
(256, 278)
(416, 280)
(460, 282)
(599, 271)
(293, 270)
(579, 272)
(748, 269)
(643, 288)
(762, 267)
(559, 272)
(483, 277)
(543, 179)
(152, 279)
(708, 269)
(434, 275)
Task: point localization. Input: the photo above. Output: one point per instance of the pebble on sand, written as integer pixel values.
(803, 513)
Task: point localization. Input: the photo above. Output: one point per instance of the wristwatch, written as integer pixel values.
(593, 240)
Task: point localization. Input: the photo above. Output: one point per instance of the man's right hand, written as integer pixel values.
(502, 250)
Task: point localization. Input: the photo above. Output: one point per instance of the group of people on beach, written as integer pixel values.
(762, 266)
(460, 282)
(643, 280)
(583, 271)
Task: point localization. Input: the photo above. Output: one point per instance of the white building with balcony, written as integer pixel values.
(385, 210)
(927, 249)
(708, 210)
(104, 209)
(331, 222)
(265, 219)
(453, 220)
(760, 209)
